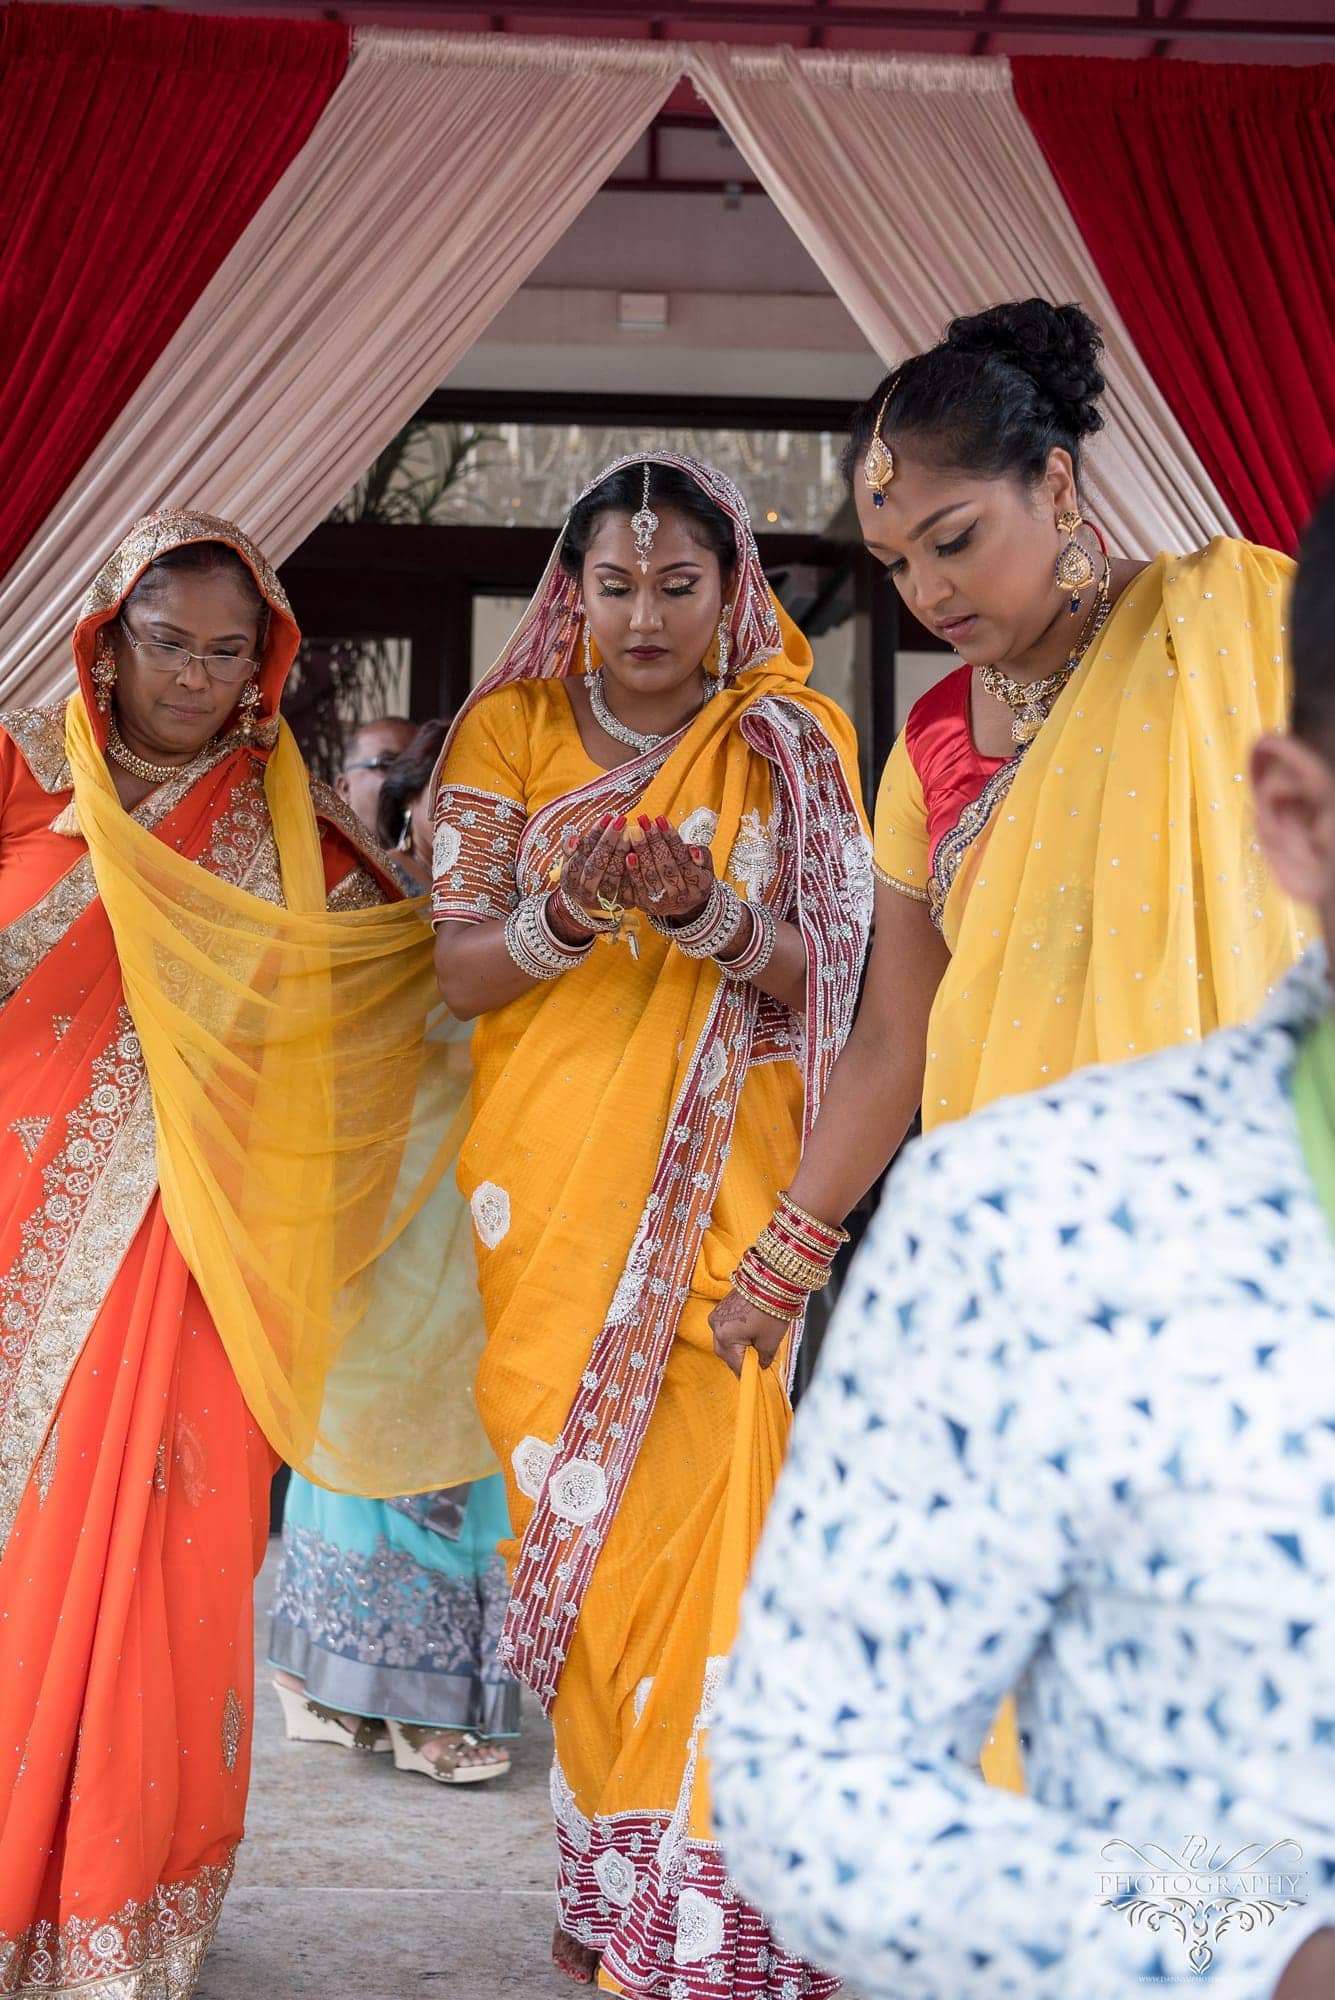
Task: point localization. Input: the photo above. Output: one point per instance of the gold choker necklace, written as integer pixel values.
(139, 767)
(1031, 702)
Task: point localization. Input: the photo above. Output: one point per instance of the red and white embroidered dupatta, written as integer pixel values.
(764, 743)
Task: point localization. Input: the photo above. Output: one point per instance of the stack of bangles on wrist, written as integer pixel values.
(788, 1261)
(716, 928)
(533, 943)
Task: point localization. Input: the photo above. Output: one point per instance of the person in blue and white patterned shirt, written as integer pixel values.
(1073, 1432)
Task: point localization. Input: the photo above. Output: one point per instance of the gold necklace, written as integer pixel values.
(1031, 702)
(139, 767)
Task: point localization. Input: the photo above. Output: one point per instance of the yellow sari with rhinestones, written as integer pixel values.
(634, 1120)
(1104, 895)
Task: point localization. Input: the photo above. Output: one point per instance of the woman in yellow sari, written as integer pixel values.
(212, 1036)
(1066, 863)
(653, 1037)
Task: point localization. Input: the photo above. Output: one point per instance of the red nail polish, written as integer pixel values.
(605, 821)
(664, 825)
(698, 855)
(632, 861)
(620, 823)
(646, 822)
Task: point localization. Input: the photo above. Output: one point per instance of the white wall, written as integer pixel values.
(714, 344)
(749, 313)
(681, 242)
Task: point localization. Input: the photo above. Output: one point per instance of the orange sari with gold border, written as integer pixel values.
(133, 1479)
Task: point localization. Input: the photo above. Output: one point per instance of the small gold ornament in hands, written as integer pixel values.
(592, 876)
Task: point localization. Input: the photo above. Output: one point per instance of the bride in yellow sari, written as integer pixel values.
(1067, 867)
(645, 762)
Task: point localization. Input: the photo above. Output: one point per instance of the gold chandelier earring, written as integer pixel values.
(248, 703)
(1074, 568)
(104, 671)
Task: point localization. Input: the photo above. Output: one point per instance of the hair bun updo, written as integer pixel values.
(995, 397)
(1057, 347)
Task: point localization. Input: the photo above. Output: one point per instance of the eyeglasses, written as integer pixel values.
(380, 762)
(226, 668)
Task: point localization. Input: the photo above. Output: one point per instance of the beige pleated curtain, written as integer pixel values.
(443, 170)
(918, 188)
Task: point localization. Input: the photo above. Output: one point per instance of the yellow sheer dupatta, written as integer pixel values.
(1117, 901)
(307, 1120)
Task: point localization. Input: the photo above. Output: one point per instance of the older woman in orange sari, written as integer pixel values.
(156, 835)
(639, 1097)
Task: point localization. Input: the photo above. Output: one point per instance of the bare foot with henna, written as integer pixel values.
(576, 1960)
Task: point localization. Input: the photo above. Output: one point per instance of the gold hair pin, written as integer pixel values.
(878, 467)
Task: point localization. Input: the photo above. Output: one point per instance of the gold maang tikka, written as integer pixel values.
(878, 467)
(644, 526)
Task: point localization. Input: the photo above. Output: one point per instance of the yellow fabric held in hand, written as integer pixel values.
(763, 1426)
(308, 1115)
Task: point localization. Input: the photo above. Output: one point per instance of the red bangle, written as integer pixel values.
(828, 1235)
(765, 1289)
(801, 1243)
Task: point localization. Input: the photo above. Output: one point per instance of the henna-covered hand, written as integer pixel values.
(736, 1325)
(670, 879)
(592, 872)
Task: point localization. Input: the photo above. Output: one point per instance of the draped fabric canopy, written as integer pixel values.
(917, 187)
(440, 174)
(293, 335)
(135, 148)
(1206, 193)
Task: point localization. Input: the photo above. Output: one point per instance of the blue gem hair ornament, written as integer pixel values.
(878, 467)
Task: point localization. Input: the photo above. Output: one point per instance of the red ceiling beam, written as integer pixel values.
(982, 41)
(1172, 15)
(782, 17)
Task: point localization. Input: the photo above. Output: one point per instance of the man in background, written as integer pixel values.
(367, 755)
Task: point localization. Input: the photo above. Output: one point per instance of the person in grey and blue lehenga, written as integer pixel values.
(385, 1622)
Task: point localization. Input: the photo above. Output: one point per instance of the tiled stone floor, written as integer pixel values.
(357, 1880)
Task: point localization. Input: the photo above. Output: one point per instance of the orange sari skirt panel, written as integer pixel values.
(126, 1651)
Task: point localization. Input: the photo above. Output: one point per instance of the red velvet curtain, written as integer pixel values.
(1206, 195)
(134, 148)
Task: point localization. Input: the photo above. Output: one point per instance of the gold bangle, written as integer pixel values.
(750, 1291)
(778, 1248)
(787, 1264)
(786, 1203)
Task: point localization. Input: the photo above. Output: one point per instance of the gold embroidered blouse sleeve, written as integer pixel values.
(901, 848)
(480, 814)
(357, 890)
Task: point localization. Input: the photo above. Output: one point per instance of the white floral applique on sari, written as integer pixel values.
(754, 855)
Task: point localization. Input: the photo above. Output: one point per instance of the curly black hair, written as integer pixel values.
(995, 395)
